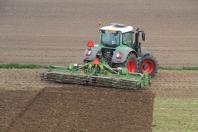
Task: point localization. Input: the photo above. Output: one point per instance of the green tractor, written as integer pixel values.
(117, 61)
(119, 49)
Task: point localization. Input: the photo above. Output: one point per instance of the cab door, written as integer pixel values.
(127, 39)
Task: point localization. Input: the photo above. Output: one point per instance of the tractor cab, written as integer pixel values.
(116, 35)
(120, 35)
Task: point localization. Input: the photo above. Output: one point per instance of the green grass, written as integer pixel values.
(20, 66)
(178, 68)
(175, 115)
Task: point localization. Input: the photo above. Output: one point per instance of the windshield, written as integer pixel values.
(110, 39)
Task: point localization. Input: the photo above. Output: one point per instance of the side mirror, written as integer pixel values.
(143, 36)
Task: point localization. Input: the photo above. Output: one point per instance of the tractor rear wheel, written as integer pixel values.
(148, 64)
(130, 63)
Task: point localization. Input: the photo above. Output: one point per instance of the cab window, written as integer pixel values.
(127, 38)
(110, 39)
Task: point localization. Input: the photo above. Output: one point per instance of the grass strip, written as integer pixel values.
(178, 68)
(21, 66)
(175, 115)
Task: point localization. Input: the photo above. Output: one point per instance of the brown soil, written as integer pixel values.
(57, 32)
(19, 86)
(87, 109)
(12, 103)
(166, 83)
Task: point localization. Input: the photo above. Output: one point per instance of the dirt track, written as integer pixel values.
(57, 32)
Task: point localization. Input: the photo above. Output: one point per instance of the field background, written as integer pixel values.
(57, 31)
(47, 31)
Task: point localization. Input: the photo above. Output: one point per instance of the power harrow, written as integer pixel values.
(96, 73)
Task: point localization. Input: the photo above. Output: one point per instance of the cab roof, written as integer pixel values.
(118, 27)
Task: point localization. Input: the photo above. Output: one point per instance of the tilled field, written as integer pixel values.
(48, 31)
(166, 83)
(87, 109)
(27, 106)
(57, 31)
(19, 87)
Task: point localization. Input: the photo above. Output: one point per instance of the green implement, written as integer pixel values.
(97, 73)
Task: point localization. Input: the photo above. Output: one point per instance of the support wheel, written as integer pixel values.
(130, 63)
(148, 64)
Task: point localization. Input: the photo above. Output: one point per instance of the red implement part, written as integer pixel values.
(131, 66)
(95, 61)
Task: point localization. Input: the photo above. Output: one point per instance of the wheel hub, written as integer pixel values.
(145, 66)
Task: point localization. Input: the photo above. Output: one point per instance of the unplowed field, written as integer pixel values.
(48, 31)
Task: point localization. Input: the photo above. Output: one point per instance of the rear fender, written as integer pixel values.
(144, 53)
(93, 54)
(124, 55)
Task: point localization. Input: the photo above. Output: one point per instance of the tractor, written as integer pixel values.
(116, 61)
(119, 49)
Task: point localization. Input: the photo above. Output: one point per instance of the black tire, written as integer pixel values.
(148, 64)
(131, 57)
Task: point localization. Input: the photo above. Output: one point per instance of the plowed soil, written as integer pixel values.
(57, 32)
(87, 109)
(48, 31)
(20, 86)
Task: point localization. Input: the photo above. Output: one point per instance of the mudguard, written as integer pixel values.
(94, 51)
(124, 55)
(143, 53)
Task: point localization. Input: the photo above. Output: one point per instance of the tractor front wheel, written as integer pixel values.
(130, 63)
(148, 64)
